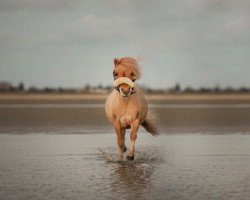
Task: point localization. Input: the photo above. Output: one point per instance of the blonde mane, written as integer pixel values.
(131, 64)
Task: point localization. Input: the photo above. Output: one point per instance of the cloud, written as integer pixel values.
(15, 5)
(179, 39)
(93, 27)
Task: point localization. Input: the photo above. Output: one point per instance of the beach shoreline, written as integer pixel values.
(99, 98)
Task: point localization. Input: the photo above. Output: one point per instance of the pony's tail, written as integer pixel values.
(150, 124)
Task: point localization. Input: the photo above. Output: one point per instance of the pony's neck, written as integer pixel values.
(124, 102)
(125, 99)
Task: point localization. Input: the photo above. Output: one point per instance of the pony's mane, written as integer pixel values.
(130, 63)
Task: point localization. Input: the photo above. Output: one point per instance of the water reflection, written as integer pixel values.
(131, 179)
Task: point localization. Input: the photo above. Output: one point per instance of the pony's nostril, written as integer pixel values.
(125, 91)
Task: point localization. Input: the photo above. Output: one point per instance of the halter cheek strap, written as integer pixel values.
(133, 91)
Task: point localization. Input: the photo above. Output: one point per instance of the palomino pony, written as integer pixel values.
(126, 106)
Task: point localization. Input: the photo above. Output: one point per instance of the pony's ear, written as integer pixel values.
(116, 61)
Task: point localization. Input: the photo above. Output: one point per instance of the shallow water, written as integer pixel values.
(85, 167)
(69, 151)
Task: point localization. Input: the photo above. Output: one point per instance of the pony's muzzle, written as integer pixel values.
(125, 90)
(125, 86)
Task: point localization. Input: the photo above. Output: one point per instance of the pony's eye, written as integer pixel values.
(114, 73)
(132, 74)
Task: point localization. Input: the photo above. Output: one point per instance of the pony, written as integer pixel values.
(126, 106)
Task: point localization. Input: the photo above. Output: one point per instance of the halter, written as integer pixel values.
(125, 80)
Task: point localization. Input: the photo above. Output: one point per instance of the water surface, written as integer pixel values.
(68, 151)
(85, 167)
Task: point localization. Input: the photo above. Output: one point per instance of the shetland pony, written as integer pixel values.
(126, 106)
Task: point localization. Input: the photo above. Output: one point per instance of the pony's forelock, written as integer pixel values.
(131, 64)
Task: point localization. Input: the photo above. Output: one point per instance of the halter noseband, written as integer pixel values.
(125, 80)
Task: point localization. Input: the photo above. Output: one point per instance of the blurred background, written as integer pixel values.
(71, 44)
(59, 54)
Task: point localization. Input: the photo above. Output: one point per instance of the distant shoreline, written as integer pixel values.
(168, 97)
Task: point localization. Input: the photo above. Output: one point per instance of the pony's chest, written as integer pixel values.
(128, 108)
(126, 112)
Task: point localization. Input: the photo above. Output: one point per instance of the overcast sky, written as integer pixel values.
(72, 43)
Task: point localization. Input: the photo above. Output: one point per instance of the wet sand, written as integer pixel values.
(178, 114)
(93, 120)
(100, 98)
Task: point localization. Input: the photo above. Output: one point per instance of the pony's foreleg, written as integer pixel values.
(133, 135)
(120, 132)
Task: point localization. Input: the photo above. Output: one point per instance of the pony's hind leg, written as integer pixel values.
(133, 136)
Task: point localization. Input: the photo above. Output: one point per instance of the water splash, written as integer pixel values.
(146, 155)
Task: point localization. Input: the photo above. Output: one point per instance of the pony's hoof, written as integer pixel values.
(130, 158)
(119, 160)
(124, 149)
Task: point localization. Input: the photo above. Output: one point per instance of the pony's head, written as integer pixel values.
(126, 72)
